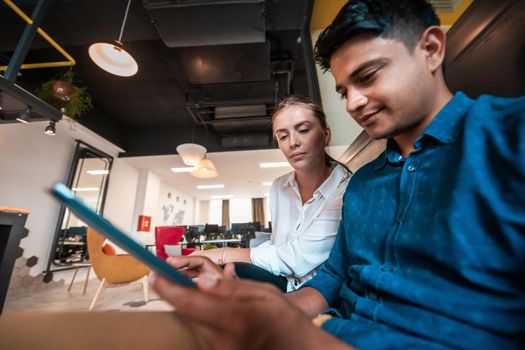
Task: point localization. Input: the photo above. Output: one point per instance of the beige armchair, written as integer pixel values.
(113, 269)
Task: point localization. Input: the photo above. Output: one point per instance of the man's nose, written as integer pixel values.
(355, 101)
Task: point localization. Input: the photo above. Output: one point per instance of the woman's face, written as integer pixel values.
(300, 137)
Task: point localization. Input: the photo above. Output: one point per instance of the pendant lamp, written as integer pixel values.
(191, 153)
(205, 170)
(112, 57)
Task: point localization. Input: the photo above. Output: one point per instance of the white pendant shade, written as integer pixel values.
(113, 59)
(191, 153)
(204, 170)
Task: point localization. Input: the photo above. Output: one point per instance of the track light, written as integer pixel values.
(25, 116)
(50, 129)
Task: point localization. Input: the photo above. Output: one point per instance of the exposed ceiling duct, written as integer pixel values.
(213, 69)
(183, 23)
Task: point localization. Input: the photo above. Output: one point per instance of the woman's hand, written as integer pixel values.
(222, 256)
(215, 255)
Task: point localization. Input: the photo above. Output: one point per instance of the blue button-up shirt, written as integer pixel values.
(430, 252)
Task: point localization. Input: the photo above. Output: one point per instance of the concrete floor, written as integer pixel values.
(124, 298)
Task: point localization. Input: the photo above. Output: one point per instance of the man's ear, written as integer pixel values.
(433, 43)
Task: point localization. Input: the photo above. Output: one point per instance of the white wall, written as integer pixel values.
(121, 194)
(201, 211)
(31, 162)
(344, 128)
(174, 207)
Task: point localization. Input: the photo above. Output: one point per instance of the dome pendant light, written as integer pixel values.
(112, 57)
(191, 153)
(205, 170)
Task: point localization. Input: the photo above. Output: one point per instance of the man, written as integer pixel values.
(430, 252)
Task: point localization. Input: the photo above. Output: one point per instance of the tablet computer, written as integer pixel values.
(90, 217)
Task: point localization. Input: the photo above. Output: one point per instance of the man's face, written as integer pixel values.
(388, 90)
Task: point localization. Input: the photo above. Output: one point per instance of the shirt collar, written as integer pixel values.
(446, 126)
(338, 175)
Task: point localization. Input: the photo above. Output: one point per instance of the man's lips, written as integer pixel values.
(366, 118)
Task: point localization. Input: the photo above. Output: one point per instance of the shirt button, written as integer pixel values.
(400, 157)
(373, 296)
(411, 168)
(387, 268)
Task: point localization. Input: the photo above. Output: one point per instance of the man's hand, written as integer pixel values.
(197, 266)
(228, 313)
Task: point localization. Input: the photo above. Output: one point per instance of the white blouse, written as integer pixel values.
(302, 235)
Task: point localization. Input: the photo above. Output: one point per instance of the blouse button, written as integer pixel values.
(411, 168)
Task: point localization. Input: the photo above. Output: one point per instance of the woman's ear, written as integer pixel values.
(327, 136)
(433, 43)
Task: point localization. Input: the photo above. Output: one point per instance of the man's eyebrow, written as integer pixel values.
(363, 66)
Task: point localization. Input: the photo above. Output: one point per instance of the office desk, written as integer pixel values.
(224, 242)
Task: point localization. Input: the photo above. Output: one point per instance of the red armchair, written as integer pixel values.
(169, 235)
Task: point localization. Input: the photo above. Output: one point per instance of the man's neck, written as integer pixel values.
(406, 140)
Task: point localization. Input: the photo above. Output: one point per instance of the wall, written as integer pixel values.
(201, 211)
(174, 207)
(31, 162)
(344, 128)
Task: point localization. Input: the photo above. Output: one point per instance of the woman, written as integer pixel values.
(305, 204)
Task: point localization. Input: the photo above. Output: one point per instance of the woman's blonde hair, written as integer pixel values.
(312, 106)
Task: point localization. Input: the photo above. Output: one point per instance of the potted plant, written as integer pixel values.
(64, 95)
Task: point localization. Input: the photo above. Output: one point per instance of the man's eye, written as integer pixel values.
(342, 96)
(368, 78)
(303, 131)
(282, 137)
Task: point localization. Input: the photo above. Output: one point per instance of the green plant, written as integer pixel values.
(73, 102)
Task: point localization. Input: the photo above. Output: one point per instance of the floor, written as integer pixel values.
(124, 298)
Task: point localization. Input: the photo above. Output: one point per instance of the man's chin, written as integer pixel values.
(377, 134)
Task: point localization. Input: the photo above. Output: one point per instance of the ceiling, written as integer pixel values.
(209, 71)
(239, 172)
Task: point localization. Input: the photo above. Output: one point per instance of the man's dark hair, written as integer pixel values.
(405, 20)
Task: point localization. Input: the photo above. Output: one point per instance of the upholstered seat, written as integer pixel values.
(113, 269)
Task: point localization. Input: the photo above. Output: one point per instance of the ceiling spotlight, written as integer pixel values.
(50, 129)
(25, 116)
(112, 57)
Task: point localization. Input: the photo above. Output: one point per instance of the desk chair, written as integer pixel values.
(211, 231)
(169, 235)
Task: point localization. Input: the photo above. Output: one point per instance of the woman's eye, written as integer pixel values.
(282, 137)
(342, 96)
(303, 131)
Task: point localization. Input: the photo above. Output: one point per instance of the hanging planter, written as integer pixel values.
(64, 95)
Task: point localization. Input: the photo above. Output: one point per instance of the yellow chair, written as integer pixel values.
(113, 269)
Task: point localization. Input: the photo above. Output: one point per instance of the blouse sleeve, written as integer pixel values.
(303, 252)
